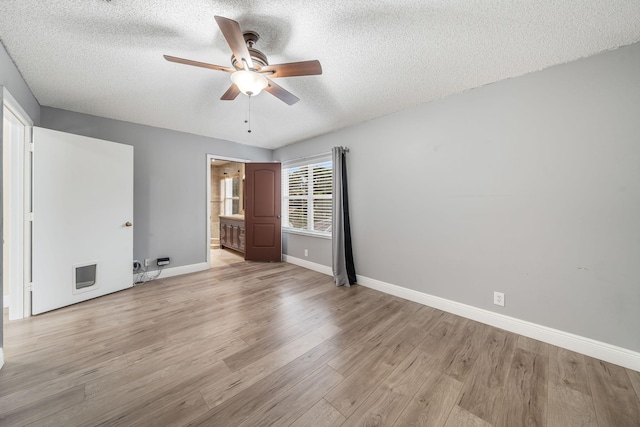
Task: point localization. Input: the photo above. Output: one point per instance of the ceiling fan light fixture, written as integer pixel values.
(249, 82)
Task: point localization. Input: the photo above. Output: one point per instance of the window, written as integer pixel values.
(306, 196)
(230, 190)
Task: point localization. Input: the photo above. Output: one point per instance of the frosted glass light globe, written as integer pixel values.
(249, 82)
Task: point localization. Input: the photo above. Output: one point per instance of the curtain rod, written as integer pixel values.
(312, 156)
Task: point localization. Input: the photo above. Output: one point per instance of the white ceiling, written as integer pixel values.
(378, 56)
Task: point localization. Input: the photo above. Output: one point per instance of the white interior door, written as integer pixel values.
(82, 214)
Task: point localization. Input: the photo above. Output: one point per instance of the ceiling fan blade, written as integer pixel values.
(198, 64)
(292, 69)
(231, 93)
(233, 34)
(281, 93)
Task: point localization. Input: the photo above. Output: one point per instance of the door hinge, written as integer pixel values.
(31, 147)
(28, 217)
(29, 287)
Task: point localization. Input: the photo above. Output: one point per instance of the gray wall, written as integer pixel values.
(529, 186)
(11, 79)
(170, 177)
(319, 249)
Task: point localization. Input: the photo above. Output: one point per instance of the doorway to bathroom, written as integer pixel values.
(227, 196)
(244, 208)
(226, 210)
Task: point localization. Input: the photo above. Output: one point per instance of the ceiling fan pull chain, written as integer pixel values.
(249, 131)
(248, 116)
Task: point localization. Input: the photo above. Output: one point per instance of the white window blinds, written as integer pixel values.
(306, 194)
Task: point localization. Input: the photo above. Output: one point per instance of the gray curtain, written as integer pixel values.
(344, 272)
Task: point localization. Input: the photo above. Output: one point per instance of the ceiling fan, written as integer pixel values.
(251, 70)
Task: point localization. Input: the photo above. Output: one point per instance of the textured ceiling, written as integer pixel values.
(105, 57)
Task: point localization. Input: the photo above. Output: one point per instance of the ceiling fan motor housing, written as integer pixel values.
(259, 59)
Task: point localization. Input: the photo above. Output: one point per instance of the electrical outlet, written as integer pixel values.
(306, 252)
(146, 262)
(498, 298)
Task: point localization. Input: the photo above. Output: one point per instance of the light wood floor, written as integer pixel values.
(225, 257)
(256, 344)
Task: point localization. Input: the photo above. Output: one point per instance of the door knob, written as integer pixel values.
(278, 216)
(128, 224)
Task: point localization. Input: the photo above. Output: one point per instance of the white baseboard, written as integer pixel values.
(185, 269)
(177, 271)
(5, 301)
(308, 265)
(600, 350)
(1, 357)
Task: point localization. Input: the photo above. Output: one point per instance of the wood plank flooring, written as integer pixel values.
(253, 344)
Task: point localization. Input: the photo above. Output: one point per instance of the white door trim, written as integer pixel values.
(211, 157)
(20, 297)
(15, 107)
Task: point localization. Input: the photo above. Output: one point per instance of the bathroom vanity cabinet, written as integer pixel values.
(232, 232)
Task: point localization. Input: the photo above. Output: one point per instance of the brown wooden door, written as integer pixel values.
(262, 213)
